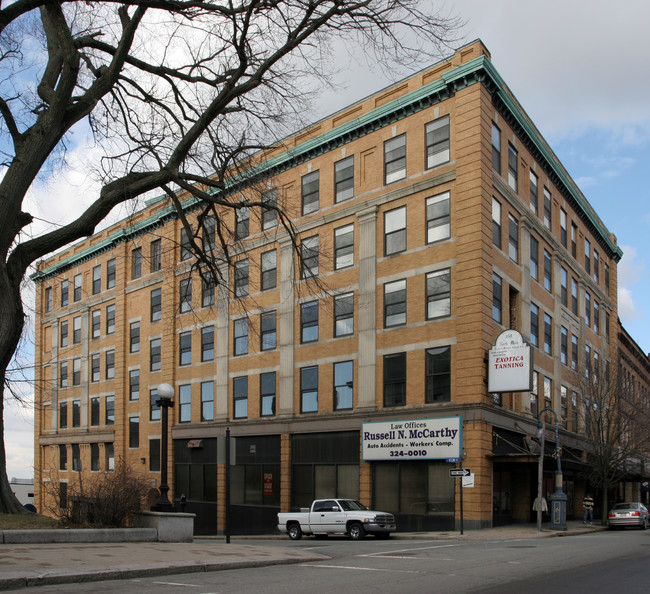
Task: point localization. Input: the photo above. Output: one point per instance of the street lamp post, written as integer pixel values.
(165, 395)
(558, 497)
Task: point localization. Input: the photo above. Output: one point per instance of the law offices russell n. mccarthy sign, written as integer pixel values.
(413, 439)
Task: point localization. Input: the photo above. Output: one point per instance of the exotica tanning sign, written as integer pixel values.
(413, 439)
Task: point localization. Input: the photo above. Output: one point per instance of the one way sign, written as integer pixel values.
(459, 472)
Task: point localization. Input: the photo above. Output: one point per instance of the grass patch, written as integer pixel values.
(27, 522)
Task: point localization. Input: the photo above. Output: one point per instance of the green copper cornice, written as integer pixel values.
(478, 70)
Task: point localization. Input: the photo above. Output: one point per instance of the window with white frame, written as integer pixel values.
(533, 193)
(438, 286)
(309, 251)
(267, 394)
(513, 179)
(269, 212)
(185, 288)
(497, 298)
(437, 142)
(207, 343)
(395, 159)
(309, 389)
(395, 303)
(344, 179)
(242, 222)
(269, 261)
(310, 192)
(496, 148)
(268, 330)
(343, 385)
(240, 396)
(548, 212)
(207, 401)
(343, 247)
(513, 238)
(241, 278)
(534, 257)
(395, 231)
(344, 314)
(240, 329)
(496, 223)
(309, 321)
(185, 403)
(185, 348)
(438, 217)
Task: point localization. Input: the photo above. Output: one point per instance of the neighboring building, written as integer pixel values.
(23, 490)
(435, 217)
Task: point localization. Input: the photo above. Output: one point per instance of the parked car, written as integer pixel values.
(336, 516)
(628, 514)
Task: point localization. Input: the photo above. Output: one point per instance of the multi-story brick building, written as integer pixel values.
(434, 216)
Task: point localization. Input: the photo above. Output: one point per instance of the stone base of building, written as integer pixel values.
(171, 527)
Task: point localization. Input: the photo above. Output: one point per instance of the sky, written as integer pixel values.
(580, 69)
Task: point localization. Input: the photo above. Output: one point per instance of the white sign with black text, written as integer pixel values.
(413, 439)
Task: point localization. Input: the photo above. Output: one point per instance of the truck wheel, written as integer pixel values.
(294, 531)
(356, 531)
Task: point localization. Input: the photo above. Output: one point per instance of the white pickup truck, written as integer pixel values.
(336, 516)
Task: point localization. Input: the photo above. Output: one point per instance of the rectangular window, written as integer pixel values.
(110, 365)
(96, 322)
(548, 334)
(209, 225)
(344, 314)
(395, 231)
(548, 392)
(563, 228)
(242, 222)
(513, 238)
(496, 223)
(97, 279)
(63, 458)
(269, 212)
(207, 401)
(587, 309)
(154, 455)
(185, 348)
(185, 403)
(548, 213)
(309, 389)
(134, 337)
(534, 258)
(63, 374)
(207, 292)
(607, 276)
(109, 453)
(64, 292)
(343, 247)
(497, 299)
(310, 192)
(344, 179)
(241, 278)
(110, 274)
(134, 432)
(94, 411)
(309, 321)
(395, 159)
(269, 270)
(574, 296)
(596, 317)
(156, 305)
(496, 148)
(134, 384)
(395, 379)
(437, 142)
(76, 372)
(395, 303)
(156, 255)
(186, 244)
(63, 415)
(154, 407)
(533, 194)
(110, 410)
(76, 457)
(207, 343)
(268, 330)
(438, 374)
(563, 405)
(513, 179)
(136, 263)
(574, 352)
(185, 296)
(438, 218)
(63, 330)
(241, 336)
(343, 385)
(76, 330)
(110, 319)
(309, 249)
(574, 240)
(76, 413)
(564, 345)
(76, 291)
(587, 256)
(564, 289)
(534, 325)
(439, 294)
(267, 394)
(240, 397)
(596, 267)
(574, 411)
(95, 374)
(48, 299)
(154, 354)
(548, 271)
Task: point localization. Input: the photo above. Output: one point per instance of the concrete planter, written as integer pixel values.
(171, 527)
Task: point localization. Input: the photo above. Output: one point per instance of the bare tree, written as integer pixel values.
(616, 425)
(181, 96)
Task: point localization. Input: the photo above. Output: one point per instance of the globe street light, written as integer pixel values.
(558, 497)
(165, 395)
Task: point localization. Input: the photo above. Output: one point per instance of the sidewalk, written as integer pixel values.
(26, 565)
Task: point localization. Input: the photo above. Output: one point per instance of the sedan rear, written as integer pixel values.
(628, 514)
